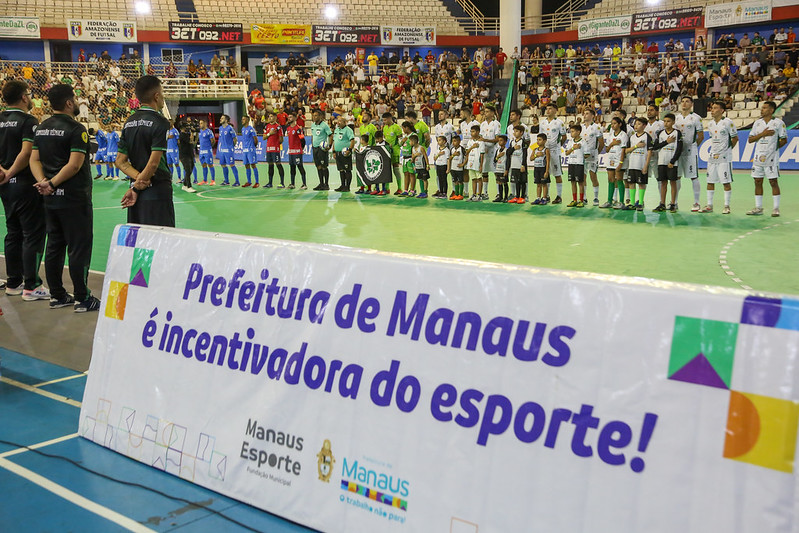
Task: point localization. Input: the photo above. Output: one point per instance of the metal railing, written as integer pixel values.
(205, 88)
(474, 13)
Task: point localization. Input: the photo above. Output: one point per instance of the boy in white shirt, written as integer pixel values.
(475, 154)
(441, 156)
(669, 142)
(538, 158)
(639, 152)
(517, 154)
(457, 160)
(500, 169)
(574, 151)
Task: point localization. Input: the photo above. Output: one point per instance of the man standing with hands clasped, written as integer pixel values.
(141, 158)
(60, 164)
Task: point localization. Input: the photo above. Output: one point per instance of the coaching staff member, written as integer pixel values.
(60, 164)
(23, 205)
(142, 149)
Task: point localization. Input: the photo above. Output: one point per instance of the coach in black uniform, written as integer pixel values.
(60, 164)
(23, 205)
(142, 148)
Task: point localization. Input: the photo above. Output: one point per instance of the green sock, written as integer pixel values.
(611, 188)
(641, 193)
(620, 186)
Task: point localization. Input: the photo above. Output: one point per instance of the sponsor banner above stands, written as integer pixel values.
(736, 13)
(19, 28)
(280, 34)
(115, 31)
(357, 390)
(225, 32)
(667, 20)
(408, 35)
(360, 35)
(604, 27)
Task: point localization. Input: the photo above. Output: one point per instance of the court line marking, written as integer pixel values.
(46, 394)
(59, 380)
(726, 248)
(73, 497)
(38, 445)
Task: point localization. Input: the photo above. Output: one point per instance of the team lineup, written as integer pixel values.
(659, 149)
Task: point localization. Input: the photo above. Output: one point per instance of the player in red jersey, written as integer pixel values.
(273, 134)
(296, 137)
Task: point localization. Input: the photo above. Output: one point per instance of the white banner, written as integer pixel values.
(408, 35)
(604, 27)
(19, 28)
(116, 31)
(357, 390)
(737, 13)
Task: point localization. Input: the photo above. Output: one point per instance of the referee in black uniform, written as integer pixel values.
(60, 164)
(142, 148)
(24, 208)
(187, 140)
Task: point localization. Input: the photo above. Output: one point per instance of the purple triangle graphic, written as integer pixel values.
(699, 371)
(139, 280)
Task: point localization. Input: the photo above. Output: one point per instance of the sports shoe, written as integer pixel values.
(256, 185)
(627, 207)
(325, 187)
(672, 208)
(237, 184)
(484, 196)
(606, 205)
(412, 193)
(58, 303)
(382, 193)
(422, 195)
(203, 183)
(726, 210)
(116, 178)
(212, 182)
(224, 184)
(302, 187)
(360, 190)
(775, 212)
(281, 186)
(268, 185)
(15, 291)
(107, 178)
(477, 197)
(402, 193)
(660, 208)
(557, 200)
(498, 200)
(459, 197)
(537, 201)
(189, 189)
(639, 207)
(39, 293)
(398, 192)
(98, 176)
(755, 211)
(318, 187)
(707, 209)
(580, 204)
(573, 203)
(544, 201)
(616, 205)
(291, 186)
(89, 304)
(695, 208)
(596, 202)
(248, 184)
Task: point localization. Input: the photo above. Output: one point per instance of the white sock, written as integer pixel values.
(759, 201)
(559, 187)
(596, 192)
(696, 186)
(777, 201)
(710, 198)
(727, 196)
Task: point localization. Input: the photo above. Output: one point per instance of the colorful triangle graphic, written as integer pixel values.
(139, 280)
(700, 372)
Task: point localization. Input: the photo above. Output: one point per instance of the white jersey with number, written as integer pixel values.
(591, 135)
(577, 156)
(666, 153)
(444, 129)
(517, 155)
(637, 158)
(766, 148)
(489, 132)
(654, 129)
(554, 130)
(721, 135)
(689, 126)
(473, 162)
(525, 135)
(466, 130)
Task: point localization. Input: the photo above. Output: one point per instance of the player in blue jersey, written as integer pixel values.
(112, 144)
(172, 153)
(227, 143)
(207, 142)
(249, 143)
(99, 156)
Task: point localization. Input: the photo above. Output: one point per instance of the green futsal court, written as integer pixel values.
(736, 250)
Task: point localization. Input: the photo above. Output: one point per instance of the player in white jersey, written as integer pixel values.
(490, 128)
(617, 141)
(689, 125)
(515, 119)
(723, 137)
(517, 169)
(594, 144)
(638, 152)
(769, 135)
(576, 161)
(653, 127)
(669, 144)
(555, 130)
(443, 128)
(467, 121)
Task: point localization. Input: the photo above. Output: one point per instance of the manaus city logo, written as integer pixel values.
(325, 462)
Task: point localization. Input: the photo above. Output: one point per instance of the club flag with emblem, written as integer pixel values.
(374, 165)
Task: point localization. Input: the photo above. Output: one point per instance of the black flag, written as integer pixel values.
(374, 165)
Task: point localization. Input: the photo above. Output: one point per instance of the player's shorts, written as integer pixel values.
(99, 156)
(110, 157)
(422, 174)
(343, 162)
(540, 175)
(172, 157)
(635, 176)
(613, 161)
(395, 155)
(206, 157)
(295, 159)
(667, 174)
(225, 157)
(688, 164)
(591, 162)
(719, 172)
(766, 167)
(517, 176)
(457, 176)
(475, 174)
(501, 176)
(249, 157)
(273, 157)
(576, 173)
(407, 166)
(320, 157)
(555, 168)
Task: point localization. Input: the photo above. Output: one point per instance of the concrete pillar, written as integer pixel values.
(533, 10)
(146, 54)
(47, 52)
(510, 26)
(237, 56)
(231, 110)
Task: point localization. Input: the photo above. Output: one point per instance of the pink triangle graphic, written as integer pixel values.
(699, 371)
(139, 280)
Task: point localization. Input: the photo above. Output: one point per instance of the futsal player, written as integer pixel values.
(690, 126)
(490, 129)
(111, 150)
(249, 151)
(227, 143)
(172, 151)
(723, 137)
(392, 133)
(296, 140)
(273, 134)
(594, 144)
(99, 155)
(768, 132)
(555, 130)
(207, 141)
